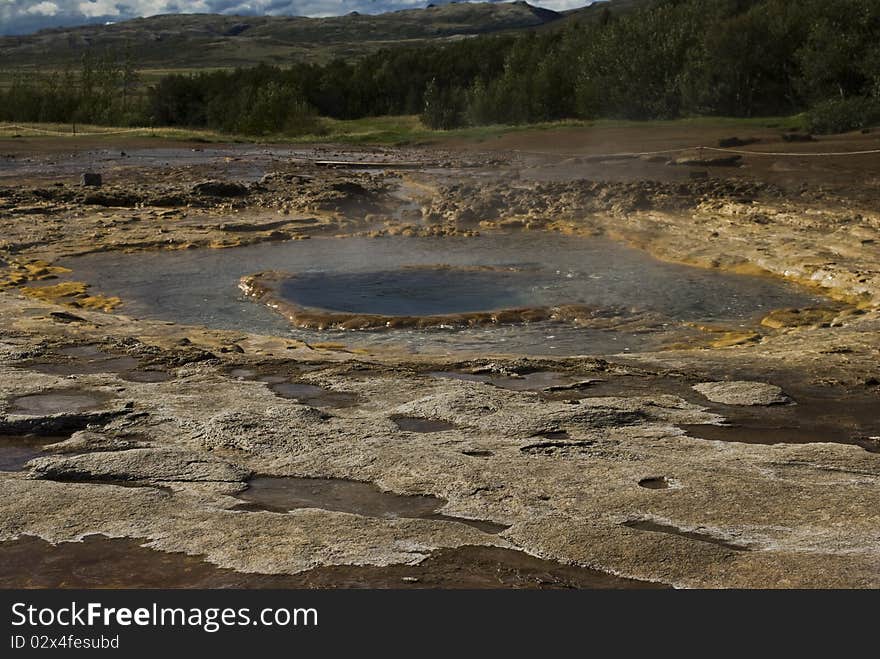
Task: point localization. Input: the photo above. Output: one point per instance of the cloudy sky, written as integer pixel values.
(24, 16)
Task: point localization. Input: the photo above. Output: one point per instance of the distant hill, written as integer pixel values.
(590, 12)
(183, 41)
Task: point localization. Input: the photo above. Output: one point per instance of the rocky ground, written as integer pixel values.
(665, 468)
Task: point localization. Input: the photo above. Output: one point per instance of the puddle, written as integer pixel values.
(306, 389)
(281, 494)
(821, 415)
(554, 434)
(777, 435)
(833, 413)
(418, 424)
(18, 450)
(309, 394)
(90, 359)
(302, 392)
(88, 351)
(537, 381)
(655, 527)
(659, 483)
(58, 402)
(80, 367)
(101, 562)
(549, 383)
(639, 302)
(146, 376)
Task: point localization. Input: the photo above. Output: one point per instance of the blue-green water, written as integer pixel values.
(373, 275)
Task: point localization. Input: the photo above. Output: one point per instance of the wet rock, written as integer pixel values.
(241, 227)
(730, 339)
(574, 386)
(87, 441)
(113, 198)
(90, 180)
(351, 188)
(712, 161)
(170, 200)
(137, 465)
(494, 368)
(59, 423)
(65, 317)
(266, 287)
(730, 142)
(798, 137)
(220, 189)
(870, 444)
(742, 393)
(782, 318)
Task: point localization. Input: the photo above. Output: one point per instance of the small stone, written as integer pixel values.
(90, 180)
(220, 189)
(741, 392)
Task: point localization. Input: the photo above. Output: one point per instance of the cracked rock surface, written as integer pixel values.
(608, 473)
(743, 393)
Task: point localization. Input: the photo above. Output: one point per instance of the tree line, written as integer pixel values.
(673, 58)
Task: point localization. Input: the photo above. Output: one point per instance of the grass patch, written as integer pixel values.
(394, 131)
(51, 131)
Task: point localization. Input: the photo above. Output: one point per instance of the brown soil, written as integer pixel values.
(847, 176)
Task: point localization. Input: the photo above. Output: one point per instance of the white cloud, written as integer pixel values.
(95, 8)
(43, 9)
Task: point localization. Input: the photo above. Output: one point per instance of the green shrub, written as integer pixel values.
(443, 107)
(842, 115)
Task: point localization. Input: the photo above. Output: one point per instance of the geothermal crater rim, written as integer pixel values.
(269, 288)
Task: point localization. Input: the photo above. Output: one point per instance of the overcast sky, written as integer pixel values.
(24, 16)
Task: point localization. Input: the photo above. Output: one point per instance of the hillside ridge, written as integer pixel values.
(215, 40)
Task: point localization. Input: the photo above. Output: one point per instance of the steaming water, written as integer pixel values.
(413, 292)
(201, 287)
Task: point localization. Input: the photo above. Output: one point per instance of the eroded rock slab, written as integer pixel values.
(138, 464)
(743, 393)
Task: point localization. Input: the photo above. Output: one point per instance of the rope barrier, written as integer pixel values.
(66, 134)
(790, 153)
(636, 154)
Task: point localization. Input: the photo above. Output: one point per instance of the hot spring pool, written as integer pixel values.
(639, 303)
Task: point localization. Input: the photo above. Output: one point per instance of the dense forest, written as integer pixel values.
(673, 58)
